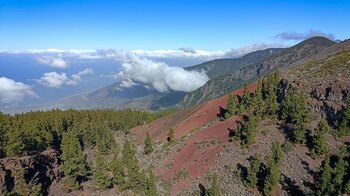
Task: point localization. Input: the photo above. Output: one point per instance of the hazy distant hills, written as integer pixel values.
(114, 97)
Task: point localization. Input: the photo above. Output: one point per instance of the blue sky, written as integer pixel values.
(155, 24)
(150, 40)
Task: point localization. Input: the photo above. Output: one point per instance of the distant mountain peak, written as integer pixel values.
(318, 41)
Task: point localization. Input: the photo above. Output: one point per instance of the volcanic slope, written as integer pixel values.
(202, 147)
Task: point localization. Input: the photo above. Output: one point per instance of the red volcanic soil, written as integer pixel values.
(200, 150)
(185, 121)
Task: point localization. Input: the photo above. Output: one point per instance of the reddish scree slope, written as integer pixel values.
(201, 148)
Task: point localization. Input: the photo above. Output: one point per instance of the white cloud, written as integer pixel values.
(127, 83)
(292, 35)
(56, 80)
(53, 79)
(56, 62)
(158, 75)
(90, 56)
(203, 54)
(12, 91)
(178, 53)
(238, 52)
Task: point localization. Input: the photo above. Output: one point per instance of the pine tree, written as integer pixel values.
(258, 102)
(214, 190)
(231, 106)
(339, 173)
(151, 184)
(105, 140)
(128, 152)
(117, 169)
(36, 190)
(136, 179)
(344, 124)
(248, 131)
(252, 172)
(277, 153)
(320, 146)
(171, 137)
(270, 93)
(237, 134)
(73, 160)
(15, 144)
(21, 187)
(148, 144)
(246, 99)
(324, 183)
(295, 113)
(2, 134)
(100, 173)
(273, 172)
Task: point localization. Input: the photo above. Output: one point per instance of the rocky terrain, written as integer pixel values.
(41, 169)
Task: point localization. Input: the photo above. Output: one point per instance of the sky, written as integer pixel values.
(50, 49)
(156, 24)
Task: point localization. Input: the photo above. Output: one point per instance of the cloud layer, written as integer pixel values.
(302, 36)
(158, 75)
(12, 91)
(56, 80)
(56, 62)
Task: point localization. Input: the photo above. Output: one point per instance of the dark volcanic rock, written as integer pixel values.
(40, 169)
(324, 99)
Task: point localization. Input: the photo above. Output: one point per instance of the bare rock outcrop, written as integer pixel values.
(40, 169)
(324, 99)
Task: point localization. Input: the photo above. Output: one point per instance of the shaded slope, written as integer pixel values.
(288, 57)
(219, 67)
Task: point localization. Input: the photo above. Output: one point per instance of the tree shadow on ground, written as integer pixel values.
(290, 186)
(202, 189)
(221, 113)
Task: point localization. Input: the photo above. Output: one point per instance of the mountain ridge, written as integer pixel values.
(226, 83)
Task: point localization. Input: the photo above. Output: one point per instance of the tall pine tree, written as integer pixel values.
(251, 179)
(214, 190)
(248, 131)
(258, 102)
(151, 183)
(344, 123)
(117, 168)
(273, 176)
(231, 109)
(319, 146)
(148, 144)
(100, 173)
(73, 160)
(171, 137)
(270, 87)
(295, 113)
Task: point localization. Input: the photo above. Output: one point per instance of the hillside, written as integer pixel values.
(203, 147)
(288, 57)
